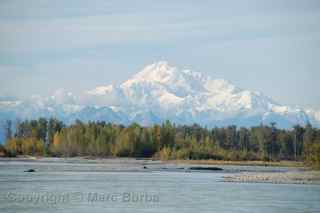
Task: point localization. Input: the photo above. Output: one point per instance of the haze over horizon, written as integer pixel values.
(270, 46)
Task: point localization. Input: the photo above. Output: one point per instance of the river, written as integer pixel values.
(79, 185)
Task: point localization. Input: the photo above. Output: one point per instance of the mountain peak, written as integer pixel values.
(172, 78)
(160, 72)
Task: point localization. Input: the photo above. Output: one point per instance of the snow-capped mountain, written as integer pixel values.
(162, 92)
(187, 97)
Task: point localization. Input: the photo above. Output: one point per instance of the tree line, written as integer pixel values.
(51, 137)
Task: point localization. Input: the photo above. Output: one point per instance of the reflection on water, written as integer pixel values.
(127, 186)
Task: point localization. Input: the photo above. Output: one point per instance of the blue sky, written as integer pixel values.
(269, 46)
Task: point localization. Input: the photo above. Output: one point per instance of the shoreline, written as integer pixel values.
(290, 177)
(289, 164)
(296, 164)
(286, 163)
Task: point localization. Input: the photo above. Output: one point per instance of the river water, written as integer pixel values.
(61, 185)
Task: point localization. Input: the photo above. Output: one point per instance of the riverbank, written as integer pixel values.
(261, 171)
(296, 177)
(241, 163)
(297, 164)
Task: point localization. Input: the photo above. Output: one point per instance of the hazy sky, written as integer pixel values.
(268, 46)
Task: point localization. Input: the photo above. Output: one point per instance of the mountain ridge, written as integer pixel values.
(162, 92)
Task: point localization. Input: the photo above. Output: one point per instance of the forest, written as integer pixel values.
(51, 137)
